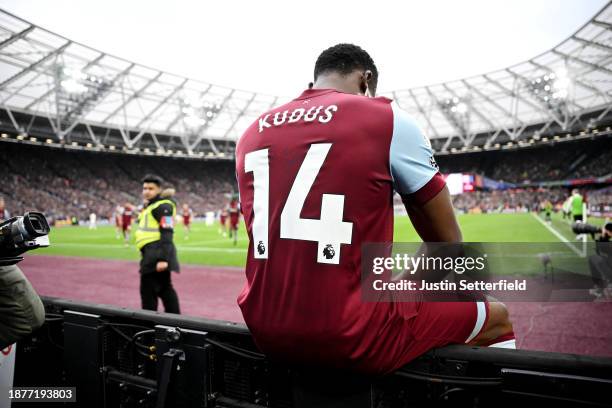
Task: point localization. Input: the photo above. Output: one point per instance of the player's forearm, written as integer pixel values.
(435, 222)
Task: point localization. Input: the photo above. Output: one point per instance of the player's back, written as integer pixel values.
(315, 183)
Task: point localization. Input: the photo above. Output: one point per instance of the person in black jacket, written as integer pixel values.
(154, 236)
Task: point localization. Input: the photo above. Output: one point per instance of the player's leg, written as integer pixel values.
(497, 330)
(235, 228)
(475, 323)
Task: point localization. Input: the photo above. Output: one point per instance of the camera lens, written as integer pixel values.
(36, 224)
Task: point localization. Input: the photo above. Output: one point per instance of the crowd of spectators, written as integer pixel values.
(71, 183)
(520, 199)
(65, 183)
(600, 201)
(569, 160)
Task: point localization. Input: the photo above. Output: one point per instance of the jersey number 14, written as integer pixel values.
(329, 232)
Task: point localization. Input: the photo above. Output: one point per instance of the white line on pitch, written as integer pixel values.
(558, 235)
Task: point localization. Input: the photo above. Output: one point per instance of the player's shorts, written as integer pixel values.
(186, 221)
(441, 323)
(222, 220)
(234, 224)
(578, 217)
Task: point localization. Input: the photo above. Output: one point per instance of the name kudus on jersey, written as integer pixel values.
(322, 114)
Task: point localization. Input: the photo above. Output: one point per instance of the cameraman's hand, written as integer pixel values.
(161, 266)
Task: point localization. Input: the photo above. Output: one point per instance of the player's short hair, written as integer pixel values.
(344, 59)
(152, 178)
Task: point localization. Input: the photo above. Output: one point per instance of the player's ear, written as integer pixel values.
(366, 77)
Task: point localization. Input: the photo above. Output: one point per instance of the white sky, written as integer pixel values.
(271, 46)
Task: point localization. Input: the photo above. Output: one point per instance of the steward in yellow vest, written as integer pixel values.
(154, 238)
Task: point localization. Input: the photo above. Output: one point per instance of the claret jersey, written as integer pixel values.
(316, 178)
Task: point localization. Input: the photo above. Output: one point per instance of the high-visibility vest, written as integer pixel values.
(148, 227)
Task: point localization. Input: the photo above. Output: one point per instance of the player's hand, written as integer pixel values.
(161, 266)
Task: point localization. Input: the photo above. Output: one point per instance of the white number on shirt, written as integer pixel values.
(329, 232)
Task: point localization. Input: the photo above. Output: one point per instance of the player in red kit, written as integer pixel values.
(126, 222)
(117, 215)
(187, 214)
(316, 178)
(223, 222)
(234, 218)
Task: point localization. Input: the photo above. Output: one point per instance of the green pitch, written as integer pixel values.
(206, 246)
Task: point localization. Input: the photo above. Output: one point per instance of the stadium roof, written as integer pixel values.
(82, 94)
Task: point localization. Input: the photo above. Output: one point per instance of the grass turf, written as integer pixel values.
(206, 246)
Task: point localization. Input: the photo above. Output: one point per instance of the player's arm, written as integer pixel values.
(434, 220)
(417, 180)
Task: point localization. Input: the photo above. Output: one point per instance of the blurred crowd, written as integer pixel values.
(600, 201)
(65, 184)
(528, 199)
(563, 161)
(69, 183)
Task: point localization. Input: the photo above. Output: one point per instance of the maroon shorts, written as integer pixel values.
(441, 323)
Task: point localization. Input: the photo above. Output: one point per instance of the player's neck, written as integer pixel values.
(335, 82)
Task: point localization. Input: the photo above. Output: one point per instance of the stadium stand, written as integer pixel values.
(572, 160)
(65, 183)
(600, 201)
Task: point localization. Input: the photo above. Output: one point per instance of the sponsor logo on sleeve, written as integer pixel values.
(432, 163)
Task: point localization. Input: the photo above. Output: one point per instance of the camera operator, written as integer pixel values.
(21, 310)
(600, 263)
